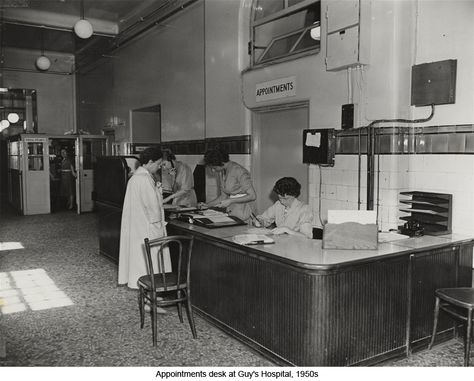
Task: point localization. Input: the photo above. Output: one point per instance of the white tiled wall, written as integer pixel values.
(339, 186)
(447, 174)
(434, 173)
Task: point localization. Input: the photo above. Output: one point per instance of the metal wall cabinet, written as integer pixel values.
(347, 33)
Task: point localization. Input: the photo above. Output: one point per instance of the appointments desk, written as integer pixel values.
(301, 305)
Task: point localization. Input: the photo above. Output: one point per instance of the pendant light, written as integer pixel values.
(83, 28)
(4, 123)
(12, 117)
(42, 62)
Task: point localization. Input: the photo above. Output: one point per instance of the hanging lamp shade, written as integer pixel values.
(43, 63)
(4, 124)
(83, 29)
(13, 117)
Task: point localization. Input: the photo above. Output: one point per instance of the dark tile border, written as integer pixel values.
(446, 139)
(232, 144)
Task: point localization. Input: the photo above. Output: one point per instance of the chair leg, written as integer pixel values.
(189, 312)
(435, 323)
(141, 307)
(180, 307)
(467, 348)
(153, 320)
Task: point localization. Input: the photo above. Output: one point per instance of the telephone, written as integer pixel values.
(412, 228)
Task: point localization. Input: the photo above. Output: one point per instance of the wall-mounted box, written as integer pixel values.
(347, 116)
(319, 146)
(347, 33)
(433, 83)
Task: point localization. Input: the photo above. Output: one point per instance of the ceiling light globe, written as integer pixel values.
(4, 124)
(83, 28)
(43, 63)
(13, 117)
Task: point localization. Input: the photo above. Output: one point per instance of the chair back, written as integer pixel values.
(180, 249)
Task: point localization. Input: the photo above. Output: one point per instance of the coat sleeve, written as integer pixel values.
(268, 216)
(306, 221)
(245, 180)
(149, 200)
(184, 179)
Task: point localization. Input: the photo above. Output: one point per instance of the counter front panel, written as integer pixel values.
(301, 305)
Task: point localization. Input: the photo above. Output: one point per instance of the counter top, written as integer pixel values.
(308, 253)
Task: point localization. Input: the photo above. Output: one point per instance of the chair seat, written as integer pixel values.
(459, 296)
(169, 288)
(145, 282)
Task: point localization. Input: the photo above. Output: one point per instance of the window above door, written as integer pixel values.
(282, 30)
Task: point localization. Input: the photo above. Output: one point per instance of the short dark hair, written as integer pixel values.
(168, 154)
(216, 157)
(287, 186)
(151, 153)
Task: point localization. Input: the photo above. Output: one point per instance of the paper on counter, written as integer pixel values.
(249, 239)
(211, 212)
(391, 236)
(219, 219)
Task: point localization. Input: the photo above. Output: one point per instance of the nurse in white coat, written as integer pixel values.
(142, 217)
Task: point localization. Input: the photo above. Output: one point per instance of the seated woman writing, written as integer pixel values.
(289, 214)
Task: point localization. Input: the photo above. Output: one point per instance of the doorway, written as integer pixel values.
(277, 150)
(145, 126)
(58, 199)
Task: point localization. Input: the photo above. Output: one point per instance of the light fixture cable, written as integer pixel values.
(43, 63)
(83, 28)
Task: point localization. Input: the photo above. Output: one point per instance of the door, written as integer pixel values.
(277, 151)
(89, 149)
(36, 176)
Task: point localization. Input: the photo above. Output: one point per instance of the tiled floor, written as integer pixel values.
(62, 307)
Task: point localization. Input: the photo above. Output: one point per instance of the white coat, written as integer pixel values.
(142, 217)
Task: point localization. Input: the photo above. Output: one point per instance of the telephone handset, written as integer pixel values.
(412, 228)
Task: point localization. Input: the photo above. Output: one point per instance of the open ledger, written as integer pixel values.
(252, 239)
(212, 219)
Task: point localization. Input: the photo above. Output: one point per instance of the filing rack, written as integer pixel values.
(433, 211)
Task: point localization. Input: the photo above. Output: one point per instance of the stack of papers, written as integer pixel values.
(211, 212)
(252, 239)
(216, 219)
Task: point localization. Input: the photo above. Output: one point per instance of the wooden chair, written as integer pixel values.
(458, 303)
(162, 289)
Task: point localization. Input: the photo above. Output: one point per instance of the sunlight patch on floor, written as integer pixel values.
(11, 246)
(33, 289)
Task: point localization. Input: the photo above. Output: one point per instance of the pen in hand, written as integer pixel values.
(256, 222)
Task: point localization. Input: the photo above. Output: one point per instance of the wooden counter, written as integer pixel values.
(301, 305)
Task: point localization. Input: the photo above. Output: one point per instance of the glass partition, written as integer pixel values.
(18, 111)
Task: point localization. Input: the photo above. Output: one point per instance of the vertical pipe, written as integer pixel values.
(377, 141)
(370, 167)
(359, 173)
(409, 304)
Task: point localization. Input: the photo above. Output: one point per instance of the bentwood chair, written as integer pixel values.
(459, 304)
(160, 288)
